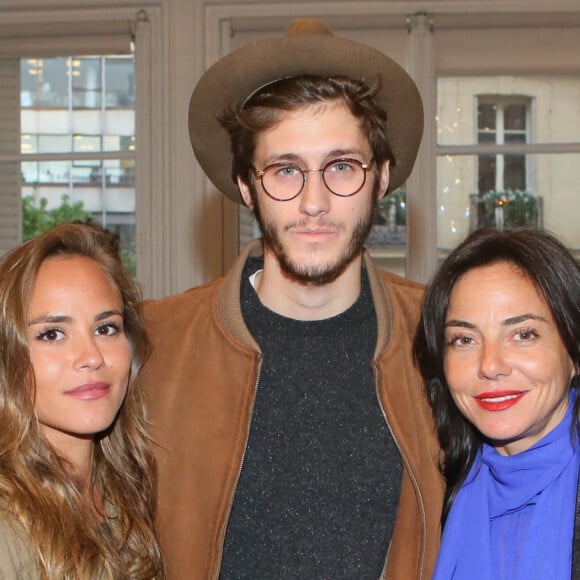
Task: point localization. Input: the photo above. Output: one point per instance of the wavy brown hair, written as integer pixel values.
(39, 490)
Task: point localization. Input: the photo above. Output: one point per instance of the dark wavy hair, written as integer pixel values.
(554, 272)
(267, 106)
(38, 487)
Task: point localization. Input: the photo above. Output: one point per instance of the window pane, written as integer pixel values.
(86, 143)
(119, 83)
(514, 172)
(463, 208)
(516, 187)
(388, 237)
(54, 143)
(555, 108)
(515, 137)
(44, 83)
(120, 172)
(86, 82)
(515, 118)
(486, 118)
(45, 172)
(82, 106)
(486, 137)
(487, 173)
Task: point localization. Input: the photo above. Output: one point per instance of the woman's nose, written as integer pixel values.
(88, 354)
(493, 363)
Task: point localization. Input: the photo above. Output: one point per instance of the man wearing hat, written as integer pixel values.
(295, 440)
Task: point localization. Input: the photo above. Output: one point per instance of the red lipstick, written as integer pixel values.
(499, 400)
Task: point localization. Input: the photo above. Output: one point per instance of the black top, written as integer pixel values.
(319, 486)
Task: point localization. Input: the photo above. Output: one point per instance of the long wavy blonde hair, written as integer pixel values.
(38, 488)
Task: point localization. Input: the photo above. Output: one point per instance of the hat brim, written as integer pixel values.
(240, 73)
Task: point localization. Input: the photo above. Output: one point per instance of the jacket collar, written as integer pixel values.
(230, 310)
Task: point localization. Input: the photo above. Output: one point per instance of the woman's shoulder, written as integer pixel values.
(17, 560)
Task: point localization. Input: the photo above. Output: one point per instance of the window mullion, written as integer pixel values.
(500, 140)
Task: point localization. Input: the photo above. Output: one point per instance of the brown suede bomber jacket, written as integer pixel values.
(200, 385)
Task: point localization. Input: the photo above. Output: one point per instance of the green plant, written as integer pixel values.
(129, 258)
(396, 201)
(510, 208)
(37, 219)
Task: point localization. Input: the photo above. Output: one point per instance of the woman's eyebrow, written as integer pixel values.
(61, 318)
(507, 322)
(53, 318)
(522, 318)
(108, 314)
(460, 323)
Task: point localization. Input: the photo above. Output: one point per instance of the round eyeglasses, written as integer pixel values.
(284, 181)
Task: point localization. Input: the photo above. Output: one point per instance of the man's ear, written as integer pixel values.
(245, 193)
(384, 179)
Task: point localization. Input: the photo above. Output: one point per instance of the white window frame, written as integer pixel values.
(425, 22)
(503, 101)
(142, 27)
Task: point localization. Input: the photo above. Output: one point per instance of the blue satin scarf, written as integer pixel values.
(513, 518)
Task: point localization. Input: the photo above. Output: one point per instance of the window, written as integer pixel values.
(502, 121)
(96, 60)
(507, 155)
(505, 194)
(78, 130)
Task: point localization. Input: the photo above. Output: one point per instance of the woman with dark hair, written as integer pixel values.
(77, 473)
(498, 346)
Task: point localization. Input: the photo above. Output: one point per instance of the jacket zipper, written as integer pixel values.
(231, 500)
(412, 477)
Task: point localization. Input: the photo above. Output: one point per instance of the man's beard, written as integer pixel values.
(316, 273)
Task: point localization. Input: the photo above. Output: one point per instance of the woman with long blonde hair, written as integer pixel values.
(77, 473)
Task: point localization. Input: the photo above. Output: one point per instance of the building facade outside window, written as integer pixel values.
(502, 121)
(78, 140)
(506, 155)
(505, 194)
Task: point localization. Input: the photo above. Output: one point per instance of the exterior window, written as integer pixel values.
(504, 197)
(502, 122)
(78, 144)
(507, 155)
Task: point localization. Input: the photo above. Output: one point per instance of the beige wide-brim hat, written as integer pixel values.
(309, 48)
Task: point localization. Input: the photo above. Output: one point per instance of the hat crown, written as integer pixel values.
(308, 27)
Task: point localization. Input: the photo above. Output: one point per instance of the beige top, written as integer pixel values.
(17, 559)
